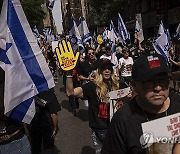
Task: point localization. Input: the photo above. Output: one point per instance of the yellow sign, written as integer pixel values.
(66, 56)
(99, 39)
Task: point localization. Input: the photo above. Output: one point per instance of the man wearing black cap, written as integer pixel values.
(152, 101)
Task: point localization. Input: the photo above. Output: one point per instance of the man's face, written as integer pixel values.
(108, 52)
(125, 53)
(91, 54)
(154, 91)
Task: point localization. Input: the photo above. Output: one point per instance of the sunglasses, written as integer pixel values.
(163, 82)
(91, 53)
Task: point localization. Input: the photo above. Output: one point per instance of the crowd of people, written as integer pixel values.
(136, 66)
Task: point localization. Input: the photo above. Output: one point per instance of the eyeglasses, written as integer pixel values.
(91, 53)
(163, 82)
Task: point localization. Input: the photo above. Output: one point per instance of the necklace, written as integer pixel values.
(166, 114)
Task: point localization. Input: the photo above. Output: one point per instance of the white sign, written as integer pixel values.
(163, 128)
(116, 94)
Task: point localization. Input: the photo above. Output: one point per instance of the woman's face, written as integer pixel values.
(106, 73)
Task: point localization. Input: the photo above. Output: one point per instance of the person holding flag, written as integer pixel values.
(13, 138)
(26, 71)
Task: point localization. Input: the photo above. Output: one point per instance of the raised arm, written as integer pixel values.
(70, 90)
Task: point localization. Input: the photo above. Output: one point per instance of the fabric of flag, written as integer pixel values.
(139, 32)
(105, 34)
(36, 32)
(51, 4)
(26, 70)
(48, 36)
(112, 39)
(178, 32)
(161, 29)
(123, 34)
(84, 31)
(161, 45)
(75, 37)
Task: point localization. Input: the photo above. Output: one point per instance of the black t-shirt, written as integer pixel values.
(98, 111)
(84, 69)
(43, 113)
(123, 136)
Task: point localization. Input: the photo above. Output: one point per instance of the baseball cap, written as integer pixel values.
(147, 66)
(102, 63)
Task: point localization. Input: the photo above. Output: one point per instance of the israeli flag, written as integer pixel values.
(75, 37)
(161, 45)
(26, 71)
(123, 34)
(112, 39)
(139, 32)
(84, 31)
(36, 32)
(51, 4)
(48, 35)
(105, 34)
(162, 30)
(178, 32)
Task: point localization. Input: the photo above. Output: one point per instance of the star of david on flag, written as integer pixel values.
(75, 37)
(26, 71)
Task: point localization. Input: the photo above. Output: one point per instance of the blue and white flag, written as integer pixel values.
(84, 31)
(105, 34)
(75, 37)
(177, 34)
(112, 36)
(51, 4)
(26, 70)
(162, 30)
(123, 33)
(139, 32)
(161, 45)
(36, 32)
(48, 35)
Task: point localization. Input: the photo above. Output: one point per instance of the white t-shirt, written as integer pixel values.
(127, 71)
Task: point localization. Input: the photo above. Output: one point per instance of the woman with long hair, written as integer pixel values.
(12, 133)
(96, 92)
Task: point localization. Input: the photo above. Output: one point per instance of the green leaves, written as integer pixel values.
(33, 11)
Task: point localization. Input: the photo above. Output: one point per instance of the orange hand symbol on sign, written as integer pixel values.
(66, 56)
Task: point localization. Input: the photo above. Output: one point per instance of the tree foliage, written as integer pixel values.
(33, 11)
(107, 10)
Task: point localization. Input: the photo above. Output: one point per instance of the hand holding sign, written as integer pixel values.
(66, 56)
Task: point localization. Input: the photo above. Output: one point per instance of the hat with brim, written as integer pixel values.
(102, 63)
(147, 66)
